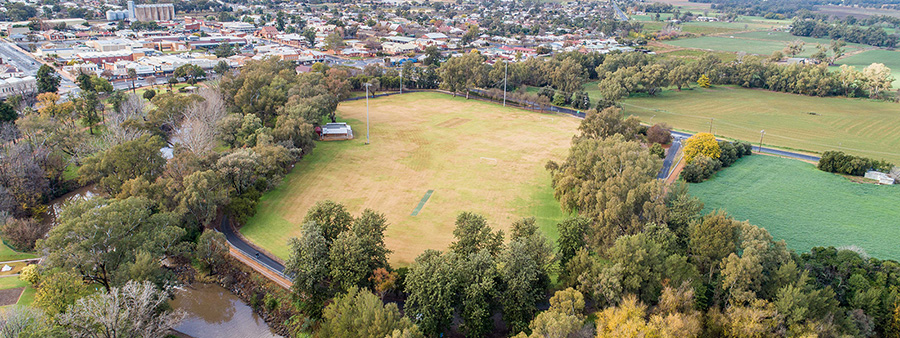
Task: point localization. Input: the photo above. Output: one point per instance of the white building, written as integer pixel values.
(17, 86)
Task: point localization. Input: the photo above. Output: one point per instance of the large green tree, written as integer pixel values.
(101, 238)
(110, 169)
(359, 313)
(473, 234)
(432, 286)
(613, 182)
(47, 80)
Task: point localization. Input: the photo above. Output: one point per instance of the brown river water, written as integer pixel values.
(213, 311)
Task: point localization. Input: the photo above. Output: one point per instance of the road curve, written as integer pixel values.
(249, 250)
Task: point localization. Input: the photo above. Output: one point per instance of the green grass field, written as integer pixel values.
(8, 254)
(476, 156)
(762, 43)
(891, 59)
(857, 126)
(806, 207)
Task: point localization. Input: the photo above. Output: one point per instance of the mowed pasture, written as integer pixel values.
(857, 126)
(806, 207)
(760, 43)
(475, 156)
(891, 59)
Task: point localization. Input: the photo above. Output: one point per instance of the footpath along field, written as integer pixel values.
(806, 207)
(473, 156)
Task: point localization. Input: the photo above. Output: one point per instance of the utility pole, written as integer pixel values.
(710, 125)
(761, 134)
(367, 110)
(401, 78)
(505, 76)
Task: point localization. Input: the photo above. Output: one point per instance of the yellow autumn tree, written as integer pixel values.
(701, 144)
(703, 81)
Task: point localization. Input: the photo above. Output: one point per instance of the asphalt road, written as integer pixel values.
(28, 65)
(237, 242)
(766, 150)
(619, 14)
(670, 157)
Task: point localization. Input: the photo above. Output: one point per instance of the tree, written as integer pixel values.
(113, 167)
(349, 264)
(877, 79)
(88, 106)
(221, 68)
(521, 276)
(334, 42)
(608, 122)
(473, 235)
(224, 50)
(7, 113)
(189, 71)
(611, 181)
(568, 76)
(478, 280)
(199, 130)
(572, 237)
(359, 313)
(308, 264)
(332, 218)
(101, 239)
(383, 281)
(47, 79)
(711, 239)
(21, 234)
(201, 196)
(659, 133)
(794, 47)
(26, 322)
(703, 81)
(563, 319)
(701, 144)
(212, 249)
(432, 288)
(133, 310)
(58, 291)
(132, 74)
(463, 72)
(369, 228)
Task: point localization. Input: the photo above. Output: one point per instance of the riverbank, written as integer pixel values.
(271, 302)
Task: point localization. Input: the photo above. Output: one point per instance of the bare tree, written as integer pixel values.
(118, 122)
(19, 321)
(198, 130)
(151, 81)
(129, 311)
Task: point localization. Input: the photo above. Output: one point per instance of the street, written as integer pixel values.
(28, 65)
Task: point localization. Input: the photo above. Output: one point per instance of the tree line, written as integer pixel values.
(872, 35)
(231, 141)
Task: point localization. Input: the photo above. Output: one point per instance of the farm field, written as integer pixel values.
(806, 207)
(857, 126)
(761, 43)
(475, 156)
(743, 23)
(891, 59)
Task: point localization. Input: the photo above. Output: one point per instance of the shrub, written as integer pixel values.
(22, 233)
(657, 150)
(547, 92)
(149, 94)
(838, 162)
(729, 153)
(581, 100)
(744, 149)
(659, 133)
(700, 169)
(560, 99)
